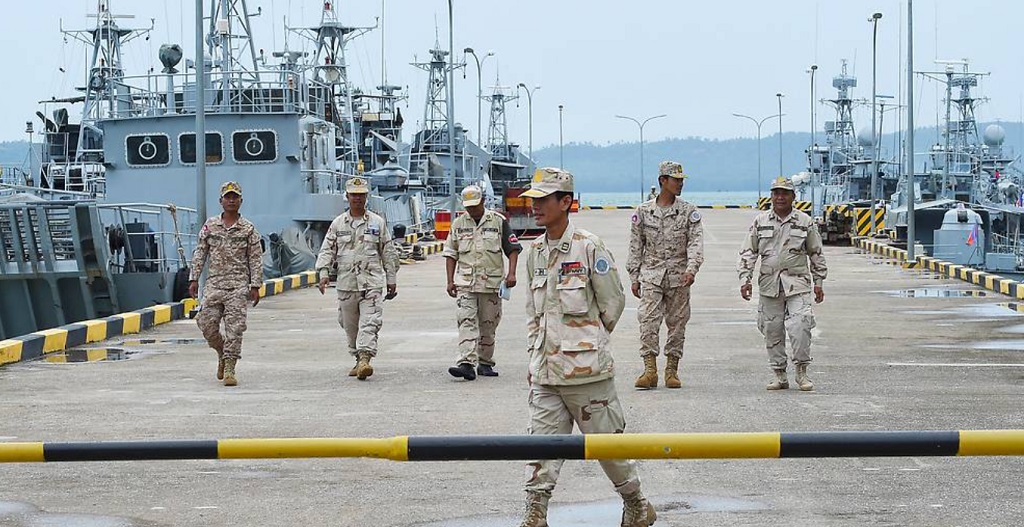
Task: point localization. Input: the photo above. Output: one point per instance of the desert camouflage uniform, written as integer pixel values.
(664, 244)
(236, 266)
(575, 301)
(477, 248)
(791, 265)
(367, 262)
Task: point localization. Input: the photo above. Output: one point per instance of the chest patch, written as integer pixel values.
(573, 269)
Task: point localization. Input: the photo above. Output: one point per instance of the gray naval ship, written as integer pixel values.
(969, 195)
(107, 220)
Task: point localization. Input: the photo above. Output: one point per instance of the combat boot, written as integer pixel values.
(649, 378)
(637, 511)
(363, 368)
(220, 364)
(802, 380)
(781, 382)
(355, 369)
(229, 372)
(672, 373)
(536, 514)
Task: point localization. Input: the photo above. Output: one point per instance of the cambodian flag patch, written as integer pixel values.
(573, 268)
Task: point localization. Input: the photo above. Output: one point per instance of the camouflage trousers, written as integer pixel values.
(671, 304)
(228, 306)
(361, 315)
(595, 409)
(478, 316)
(781, 315)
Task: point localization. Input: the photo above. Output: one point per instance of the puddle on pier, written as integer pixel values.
(609, 512)
(120, 351)
(937, 292)
(983, 345)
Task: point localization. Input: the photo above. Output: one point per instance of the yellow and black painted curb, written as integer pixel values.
(517, 448)
(38, 344)
(628, 207)
(432, 247)
(992, 282)
(764, 203)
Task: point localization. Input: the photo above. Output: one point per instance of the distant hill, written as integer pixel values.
(14, 152)
(713, 164)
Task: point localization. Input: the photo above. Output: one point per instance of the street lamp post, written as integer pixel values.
(874, 96)
(758, 124)
(780, 96)
(908, 146)
(479, 88)
(814, 183)
(641, 125)
(529, 103)
(451, 109)
(812, 70)
(561, 160)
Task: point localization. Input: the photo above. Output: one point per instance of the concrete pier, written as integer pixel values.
(894, 349)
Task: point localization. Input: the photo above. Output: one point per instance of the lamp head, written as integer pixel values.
(468, 50)
(875, 17)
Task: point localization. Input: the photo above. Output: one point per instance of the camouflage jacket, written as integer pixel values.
(665, 243)
(234, 253)
(363, 249)
(790, 252)
(575, 301)
(477, 247)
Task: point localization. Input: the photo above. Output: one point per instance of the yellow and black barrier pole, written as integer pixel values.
(520, 448)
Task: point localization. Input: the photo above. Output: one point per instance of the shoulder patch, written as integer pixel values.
(512, 238)
(635, 218)
(602, 265)
(695, 216)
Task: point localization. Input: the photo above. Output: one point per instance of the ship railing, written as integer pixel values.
(324, 181)
(12, 175)
(149, 237)
(261, 91)
(46, 194)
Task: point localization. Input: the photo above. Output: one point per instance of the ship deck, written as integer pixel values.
(884, 359)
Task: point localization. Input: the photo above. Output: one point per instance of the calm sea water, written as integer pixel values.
(632, 199)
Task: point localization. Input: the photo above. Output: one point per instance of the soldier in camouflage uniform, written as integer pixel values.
(792, 267)
(231, 244)
(666, 249)
(474, 248)
(574, 303)
(359, 242)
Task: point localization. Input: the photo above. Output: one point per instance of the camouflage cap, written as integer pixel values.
(357, 185)
(671, 169)
(229, 187)
(548, 181)
(783, 183)
(472, 196)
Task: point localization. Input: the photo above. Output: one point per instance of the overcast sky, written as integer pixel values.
(698, 62)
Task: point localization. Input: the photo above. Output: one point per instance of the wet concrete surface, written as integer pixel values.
(18, 514)
(294, 383)
(939, 292)
(608, 512)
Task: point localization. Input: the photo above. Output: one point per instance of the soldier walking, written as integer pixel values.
(359, 242)
(475, 273)
(792, 267)
(666, 249)
(575, 301)
(231, 244)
